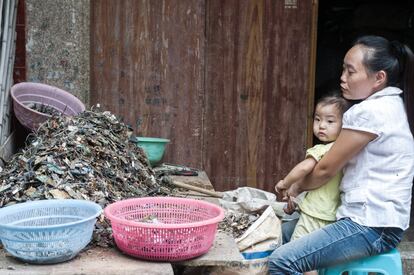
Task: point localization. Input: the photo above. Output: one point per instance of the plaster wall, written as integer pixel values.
(57, 44)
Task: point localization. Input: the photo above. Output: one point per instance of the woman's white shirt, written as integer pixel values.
(377, 182)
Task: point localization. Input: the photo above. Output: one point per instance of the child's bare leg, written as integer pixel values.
(313, 272)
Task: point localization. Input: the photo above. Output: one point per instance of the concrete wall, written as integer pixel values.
(57, 44)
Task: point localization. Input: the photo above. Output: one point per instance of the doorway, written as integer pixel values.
(340, 22)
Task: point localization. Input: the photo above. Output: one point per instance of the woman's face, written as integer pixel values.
(356, 82)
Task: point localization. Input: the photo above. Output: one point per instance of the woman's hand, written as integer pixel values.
(290, 206)
(294, 190)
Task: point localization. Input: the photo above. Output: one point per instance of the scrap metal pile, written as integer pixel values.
(89, 157)
(236, 223)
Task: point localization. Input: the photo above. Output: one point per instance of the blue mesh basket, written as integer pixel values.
(47, 231)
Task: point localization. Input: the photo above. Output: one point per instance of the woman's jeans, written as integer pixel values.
(336, 243)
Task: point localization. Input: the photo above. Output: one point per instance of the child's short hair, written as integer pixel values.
(335, 98)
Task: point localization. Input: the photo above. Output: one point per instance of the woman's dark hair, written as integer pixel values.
(397, 60)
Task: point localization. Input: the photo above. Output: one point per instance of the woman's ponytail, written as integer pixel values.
(397, 60)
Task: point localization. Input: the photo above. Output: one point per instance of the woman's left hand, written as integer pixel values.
(293, 190)
(290, 206)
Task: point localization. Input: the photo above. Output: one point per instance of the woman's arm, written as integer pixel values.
(348, 144)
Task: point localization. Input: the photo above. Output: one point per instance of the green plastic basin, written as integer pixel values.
(153, 147)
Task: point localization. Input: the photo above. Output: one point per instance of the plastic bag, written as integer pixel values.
(251, 200)
(262, 237)
(259, 240)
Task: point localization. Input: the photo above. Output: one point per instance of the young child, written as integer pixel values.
(375, 152)
(319, 206)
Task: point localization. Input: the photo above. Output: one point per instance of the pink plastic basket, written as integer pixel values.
(181, 229)
(25, 93)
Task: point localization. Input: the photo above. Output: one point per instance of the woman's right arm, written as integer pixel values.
(348, 144)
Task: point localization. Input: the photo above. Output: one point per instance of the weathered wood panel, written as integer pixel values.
(257, 77)
(147, 66)
(226, 81)
(19, 70)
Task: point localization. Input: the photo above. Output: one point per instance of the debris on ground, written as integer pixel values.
(45, 109)
(236, 223)
(150, 219)
(165, 170)
(88, 156)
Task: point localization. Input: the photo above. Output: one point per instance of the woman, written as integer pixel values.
(375, 149)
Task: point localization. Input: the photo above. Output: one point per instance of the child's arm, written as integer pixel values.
(300, 171)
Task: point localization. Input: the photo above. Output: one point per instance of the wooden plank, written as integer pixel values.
(95, 261)
(312, 72)
(201, 180)
(224, 252)
(257, 77)
(20, 55)
(147, 61)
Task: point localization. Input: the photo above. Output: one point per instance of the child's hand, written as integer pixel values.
(290, 206)
(280, 190)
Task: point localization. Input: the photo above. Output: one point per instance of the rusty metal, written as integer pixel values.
(85, 157)
(236, 223)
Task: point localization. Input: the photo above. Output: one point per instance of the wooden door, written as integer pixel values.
(227, 81)
(257, 63)
(147, 66)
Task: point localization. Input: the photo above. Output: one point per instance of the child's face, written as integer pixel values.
(356, 82)
(327, 122)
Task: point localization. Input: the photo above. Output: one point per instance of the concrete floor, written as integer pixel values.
(406, 249)
(407, 256)
(409, 234)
